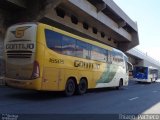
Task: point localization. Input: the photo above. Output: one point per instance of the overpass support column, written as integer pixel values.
(2, 34)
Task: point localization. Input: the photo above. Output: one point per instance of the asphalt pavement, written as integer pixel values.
(133, 99)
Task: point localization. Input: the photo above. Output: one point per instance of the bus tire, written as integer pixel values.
(82, 86)
(70, 87)
(120, 84)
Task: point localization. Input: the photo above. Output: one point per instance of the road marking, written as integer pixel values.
(133, 98)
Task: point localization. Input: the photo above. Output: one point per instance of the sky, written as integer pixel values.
(147, 15)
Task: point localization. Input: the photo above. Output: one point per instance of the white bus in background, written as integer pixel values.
(145, 74)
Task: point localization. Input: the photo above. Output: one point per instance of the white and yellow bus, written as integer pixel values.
(42, 57)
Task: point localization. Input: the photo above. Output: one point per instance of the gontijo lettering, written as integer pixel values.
(20, 46)
(82, 64)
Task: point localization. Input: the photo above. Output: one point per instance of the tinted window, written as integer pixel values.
(83, 49)
(99, 54)
(53, 40)
(115, 57)
(120, 59)
(110, 56)
(68, 45)
(60, 43)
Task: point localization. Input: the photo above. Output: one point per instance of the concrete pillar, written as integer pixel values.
(2, 61)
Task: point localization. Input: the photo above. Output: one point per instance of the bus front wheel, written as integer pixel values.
(70, 87)
(82, 86)
(120, 84)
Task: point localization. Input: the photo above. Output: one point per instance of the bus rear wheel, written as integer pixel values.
(70, 87)
(82, 86)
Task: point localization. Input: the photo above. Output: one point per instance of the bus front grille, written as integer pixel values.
(19, 54)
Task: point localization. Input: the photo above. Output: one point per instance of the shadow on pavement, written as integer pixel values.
(36, 95)
(50, 95)
(101, 90)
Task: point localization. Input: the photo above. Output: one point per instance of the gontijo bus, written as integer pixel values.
(42, 57)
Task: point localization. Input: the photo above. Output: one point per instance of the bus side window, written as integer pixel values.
(109, 57)
(126, 64)
(121, 59)
(83, 49)
(106, 53)
(68, 45)
(53, 40)
(98, 54)
(114, 57)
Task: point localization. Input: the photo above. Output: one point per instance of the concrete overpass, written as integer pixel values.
(99, 20)
(140, 58)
